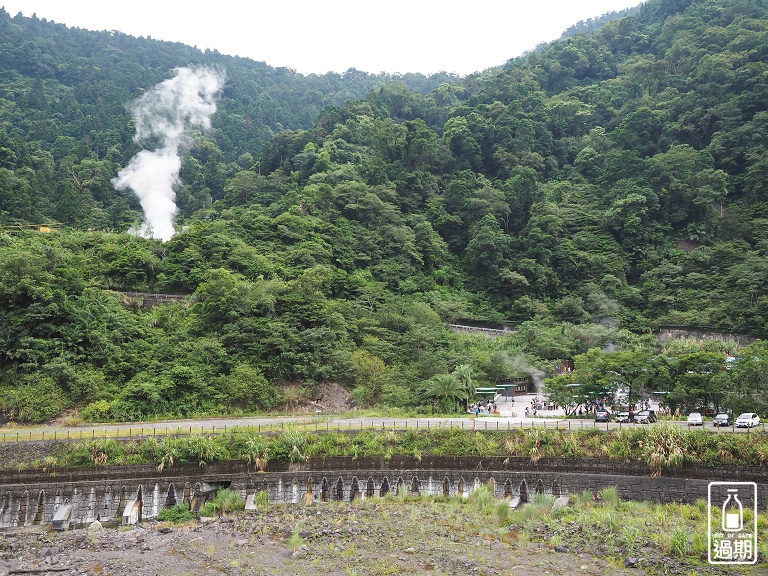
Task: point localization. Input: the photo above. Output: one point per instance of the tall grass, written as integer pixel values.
(624, 528)
(680, 542)
(609, 496)
(225, 502)
(661, 446)
(482, 499)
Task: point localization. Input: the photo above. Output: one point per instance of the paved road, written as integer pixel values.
(319, 423)
(511, 417)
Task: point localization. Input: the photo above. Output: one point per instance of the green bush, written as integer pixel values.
(176, 514)
(226, 501)
(106, 452)
(247, 388)
(207, 449)
(78, 456)
(35, 402)
(255, 451)
(262, 498)
(661, 446)
(291, 445)
(98, 411)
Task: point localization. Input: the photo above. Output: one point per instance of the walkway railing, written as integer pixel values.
(480, 329)
(155, 296)
(483, 423)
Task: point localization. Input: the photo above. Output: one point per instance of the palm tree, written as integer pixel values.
(446, 390)
(463, 373)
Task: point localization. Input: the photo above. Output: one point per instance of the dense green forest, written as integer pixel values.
(65, 129)
(330, 226)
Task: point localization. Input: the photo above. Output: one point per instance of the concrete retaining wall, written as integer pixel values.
(32, 497)
(673, 332)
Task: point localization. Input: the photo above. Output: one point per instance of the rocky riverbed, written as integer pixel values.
(338, 539)
(371, 538)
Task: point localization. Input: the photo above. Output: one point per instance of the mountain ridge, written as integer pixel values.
(589, 192)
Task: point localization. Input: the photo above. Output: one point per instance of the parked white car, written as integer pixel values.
(695, 419)
(747, 420)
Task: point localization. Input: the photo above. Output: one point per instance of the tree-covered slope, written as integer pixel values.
(615, 175)
(65, 126)
(597, 188)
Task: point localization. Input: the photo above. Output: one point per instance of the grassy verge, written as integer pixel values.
(660, 446)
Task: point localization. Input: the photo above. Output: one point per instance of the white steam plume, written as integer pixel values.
(520, 363)
(166, 113)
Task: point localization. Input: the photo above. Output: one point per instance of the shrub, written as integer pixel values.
(207, 449)
(35, 402)
(98, 411)
(226, 501)
(623, 443)
(329, 444)
(104, 452)
(169, 451)
(262, 498)
(248, 388)
(592, 442)
(176, 514)
(538, 444)
(366, 443)
(292, 445)
(664, 447)
(255, 451)
(454, 441)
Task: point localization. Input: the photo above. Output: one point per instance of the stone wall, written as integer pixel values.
(674, 332)
(33, 497)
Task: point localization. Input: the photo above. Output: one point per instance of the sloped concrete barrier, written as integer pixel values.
(62, 517)
(77, 497)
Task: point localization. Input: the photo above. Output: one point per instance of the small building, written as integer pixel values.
(515, 387)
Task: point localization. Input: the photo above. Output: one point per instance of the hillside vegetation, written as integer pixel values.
(329, 226)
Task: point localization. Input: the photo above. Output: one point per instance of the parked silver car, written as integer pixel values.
(622, 417)
(695, 419)
(645, 417)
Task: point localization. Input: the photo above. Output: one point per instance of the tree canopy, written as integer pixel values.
(587, 193)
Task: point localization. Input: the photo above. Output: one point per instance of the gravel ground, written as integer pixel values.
(373, 538)
(338, 539)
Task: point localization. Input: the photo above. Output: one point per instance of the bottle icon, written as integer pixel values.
(733, 513)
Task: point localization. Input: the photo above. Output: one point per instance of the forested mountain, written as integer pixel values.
(64, 121)
(588, 192)
(595, 23)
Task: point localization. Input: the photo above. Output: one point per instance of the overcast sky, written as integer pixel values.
(313, 36)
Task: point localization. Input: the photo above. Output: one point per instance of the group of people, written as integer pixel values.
(539, 404)
(484, 407)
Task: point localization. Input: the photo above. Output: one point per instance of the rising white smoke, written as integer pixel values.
(166, 113)
(520, 364)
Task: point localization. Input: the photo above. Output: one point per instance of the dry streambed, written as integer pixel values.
(370, 538)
